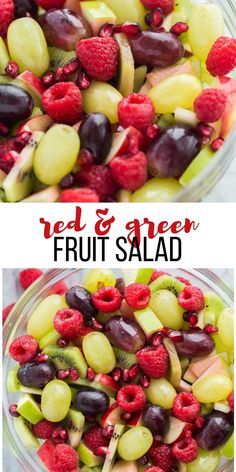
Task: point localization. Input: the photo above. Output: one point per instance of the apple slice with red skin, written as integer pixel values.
(121, 142)
(45, 453)
(176, 429)
(135, 420)
(228, 120)
(31, 79)
(37, 123)
(184, 386)
(104, 379)
(112, 416)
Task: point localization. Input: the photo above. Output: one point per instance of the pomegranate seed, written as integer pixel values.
(59, 436)
(165, 331)
(210, 329)
(12, 69)
(23, 138)
(62, 342)
(41, 358)
(73, 374)
(108, 431)
(13, 410)
(143, 460)
(179, 28)
(152, 132)
(205, 132)
(157, 18)
(193, 321)
(83, 81)
(62, 374)
(4, 130)
(71, 67)
(90, 418)
(117, 374)
(48, 79)
(175, 336)
(67, 181)
(148, 19)
(10, 158)
(60, 76)
(216, 144)
(157, 339)
(90, 374)
(187, 53)
(133, 371)
(186, 316)
(96, 325)
(85, 158)
(126, 416)
(101, 451)
(157, 438)
(106, 30)
(199, 422)
(144, 381)
(131, 30)
(125, 375)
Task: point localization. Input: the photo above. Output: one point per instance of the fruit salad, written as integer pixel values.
(110, 100)
(129, 374)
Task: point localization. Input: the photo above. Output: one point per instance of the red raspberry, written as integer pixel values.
(183, 280)
(222, 57)
(8, 161)
(107, 299)
(95, 438)
(154, 361)
(64, 459)
(230, 399)
(28, 276)
(43, 429)
(156, 274)
(161, 455)
(191, 298)
(166, 5)
(6, 311)
(6, 15)
(186, 407)
(99, 179)
(59, 288)
(99, 57)
(23, 349)
(48, 4)
(131, 398)
(185, 450)
(68, 323)
(130, 172)
(81, 195)
(154, 468)
(63, 103)
(136, 110)
(210, 105)
(137, 295)
(9, 145)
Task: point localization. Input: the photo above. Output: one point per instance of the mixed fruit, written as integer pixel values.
(127, 374)
(111, 100)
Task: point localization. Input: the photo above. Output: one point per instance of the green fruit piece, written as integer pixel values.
(168, 283)
(29, 409)
(49, 338)
(98, 352)
(212, 388)
(112, 448)
(148, 321)
(19, 182)
(222, 406)
(30, 390)
(104, 317)
(139, 77)
(225, 327)
(13, 384)
(99, 276)
(175, 371)
(161, 392)
(56, 154)
(165, 305)
(20, 82)
(48, 195)
(4, 56)
(213, 307)
(99, 386)
(23, 430)
(58, 57)
(56, 400)
(75, 431)
(97, 14)
(220, 347)
(87, 456)
(124, 466)
(206, 461)
(41, 320)
(228, 448)
(68, 358)
(134, 276)
(124, 359)
(126, 72)
(134, 443)
(156, 190)
(197, 165)
(206, 409)
(2, 177)
(102, 98)
(205, 75)
(133, 11)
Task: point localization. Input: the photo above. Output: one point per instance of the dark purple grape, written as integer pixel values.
(96, 135)
(125, 334)
(79, 298)
(156, 49)
(15, 103)
(156, 419)
(24, 7)
(120, 285)
(91, 401)
(64, 28)
(35, 374)
(194, 343)
(172, 152)
(216, 430)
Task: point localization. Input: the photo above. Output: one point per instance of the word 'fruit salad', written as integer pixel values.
(126, 375)
(111, 100)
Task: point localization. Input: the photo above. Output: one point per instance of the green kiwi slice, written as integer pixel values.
(168, 283)
(124, 359)
(58, 57)
(68, 358)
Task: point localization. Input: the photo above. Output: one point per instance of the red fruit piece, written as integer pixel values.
(23, 349)
(210, 105)
(154, 361)
(28, 276)
(130, 171)
(6, 311)
(43, 429)
(64, 459)
(137, 295)
(45, 452)
(183, 280)
(80, 195)
(63, 103)
(95, 438)
(186, 407)
(48, 4)
(136, 110)
(99, 57)
(154, 468)
(222, 57)
(185, 450)
(191, 298)
(166, 5)
(156, 274)
(131, 398)
(230, 399)
(6, 15)
(161, 455)
(99, 179)
(59, 288)
(107, 299)
(68, 323)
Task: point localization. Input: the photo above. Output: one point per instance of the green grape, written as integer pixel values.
(103, 98)
(56, 400)
(41, 320)
(4, 56)
(206, 461)
(176, 91)
(99, 353)
(165, 306)
(156, 190)
(161, 392)
(56, 154)
(27, 46)
(131, 10)
(212, 388)
(210, 18)
(99, 276)
(219, 346)
(134, 443)
(227, 449)
(226, 327)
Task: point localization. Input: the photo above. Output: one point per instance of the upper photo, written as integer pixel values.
(117, 101)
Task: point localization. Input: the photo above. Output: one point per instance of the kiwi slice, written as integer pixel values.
(126, 73)
(175, 370)
(69, 357)
(214, 305)
(139, 77)
(112, 448)
(87, 456)
(58, 57)
(33, 391)
(49, 338)
(82, 382)
(75, 420)
(124, 359)
(168, 283)
(13, 384)
(22, 428)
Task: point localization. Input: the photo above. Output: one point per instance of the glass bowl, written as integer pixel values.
(15, 325)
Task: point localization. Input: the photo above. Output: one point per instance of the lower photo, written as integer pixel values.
(109, 370)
